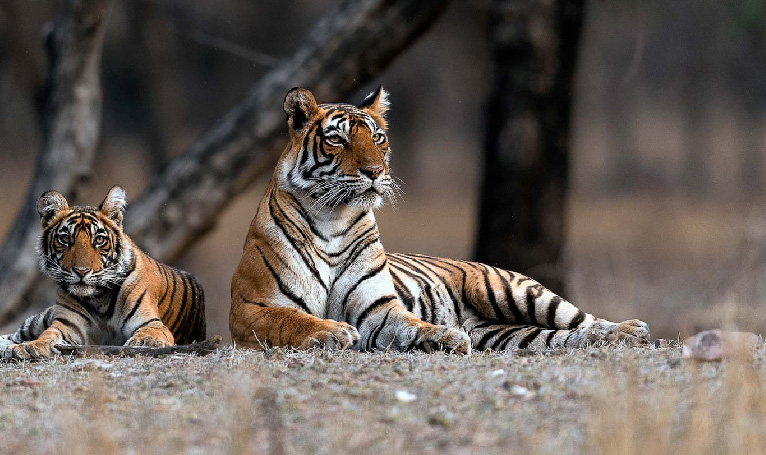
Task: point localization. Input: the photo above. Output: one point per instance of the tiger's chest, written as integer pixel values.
(108, 334)
(105, 321)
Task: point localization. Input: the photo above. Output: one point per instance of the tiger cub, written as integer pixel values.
(314, 272)
(109, 291)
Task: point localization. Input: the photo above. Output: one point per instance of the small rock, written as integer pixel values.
(90, 364)
(518, 390)
(499, 372)
(662, 343)
(296, 362)
(31, 383)
(441, 418)
(714, 345)
(35, 407)
(405, 396)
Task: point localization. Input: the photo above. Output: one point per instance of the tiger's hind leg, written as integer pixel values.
(492, 335)
(500, 309)
(515, 311)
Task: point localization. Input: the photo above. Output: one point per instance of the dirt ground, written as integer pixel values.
(596, 400)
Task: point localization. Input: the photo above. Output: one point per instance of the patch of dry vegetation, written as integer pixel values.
(599, 400)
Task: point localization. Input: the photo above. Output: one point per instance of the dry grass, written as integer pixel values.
(596, 401)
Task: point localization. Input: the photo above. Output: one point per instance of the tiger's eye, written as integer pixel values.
(335, 141)
(100, 241)
(378, 138)
(63, 239)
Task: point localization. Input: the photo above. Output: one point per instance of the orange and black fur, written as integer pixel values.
(109, 291)
(314, 272)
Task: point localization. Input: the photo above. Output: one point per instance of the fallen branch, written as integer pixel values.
(345, 49)
(200, 348)
(71, 126)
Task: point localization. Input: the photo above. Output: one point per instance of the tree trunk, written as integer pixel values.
(160, 98)
(71, 125)
(521, 222)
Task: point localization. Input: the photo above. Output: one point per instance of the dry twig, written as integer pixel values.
(200, 348)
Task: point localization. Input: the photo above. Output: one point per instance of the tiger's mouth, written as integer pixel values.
(371, 198)
(81, 289)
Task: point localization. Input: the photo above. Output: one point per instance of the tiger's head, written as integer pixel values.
(83, 249)
(338, 153)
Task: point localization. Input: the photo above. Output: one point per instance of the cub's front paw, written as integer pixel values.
(335, 335)
(30, 350)
(444, 338)
(150, 339)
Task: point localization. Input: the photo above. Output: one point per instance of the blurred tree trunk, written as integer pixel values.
(15, 59)
(521, 222)
(160, 96)
(751, 96)
(349, 46)
(695, 95)
(71, 125)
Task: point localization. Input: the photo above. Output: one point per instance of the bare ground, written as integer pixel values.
(597, 400)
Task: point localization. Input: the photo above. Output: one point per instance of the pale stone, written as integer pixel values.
(714, 345)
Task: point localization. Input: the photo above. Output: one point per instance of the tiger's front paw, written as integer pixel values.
(335, 335)
(443, 338)
(631, 332)
(37, 349)
(150, 337)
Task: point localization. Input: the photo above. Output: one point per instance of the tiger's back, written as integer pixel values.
(180, 299)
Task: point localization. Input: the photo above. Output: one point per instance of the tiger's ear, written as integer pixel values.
(300, 107)
(49, 205)
(114, 204)
(376, 104)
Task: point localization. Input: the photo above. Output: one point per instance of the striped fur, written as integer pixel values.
(314, 272)
(109, 291)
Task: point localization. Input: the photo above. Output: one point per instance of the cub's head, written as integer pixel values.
(338, 153)
(83, 249)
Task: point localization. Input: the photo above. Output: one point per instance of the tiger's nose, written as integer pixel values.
(81, 271)
(371, 171)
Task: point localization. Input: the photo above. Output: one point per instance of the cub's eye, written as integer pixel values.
(99, 241)
(63, 239)
(335, 140)
(379, 138)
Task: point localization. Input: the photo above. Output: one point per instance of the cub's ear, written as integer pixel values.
(300, 107)
(114, 204)
(376, 104)
(49, 205)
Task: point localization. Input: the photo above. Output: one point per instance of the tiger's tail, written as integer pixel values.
(30, 329)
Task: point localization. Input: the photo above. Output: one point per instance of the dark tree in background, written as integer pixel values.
(533, 46)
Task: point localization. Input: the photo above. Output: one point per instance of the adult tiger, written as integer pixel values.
(314, 273)
(109, 291)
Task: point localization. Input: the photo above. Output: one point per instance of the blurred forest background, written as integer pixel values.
(665, 216)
